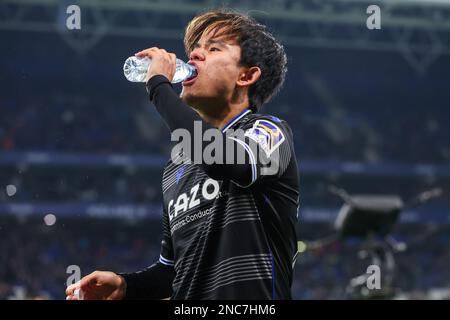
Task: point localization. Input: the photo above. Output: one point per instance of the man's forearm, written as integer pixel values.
(178, 115)
(172, 109)
(154, 282)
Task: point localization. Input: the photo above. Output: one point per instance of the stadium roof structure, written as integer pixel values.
(418, 29)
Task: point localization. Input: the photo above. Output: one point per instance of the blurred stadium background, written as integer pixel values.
(82, 149)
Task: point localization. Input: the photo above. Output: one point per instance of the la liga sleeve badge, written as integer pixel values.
(267, 135)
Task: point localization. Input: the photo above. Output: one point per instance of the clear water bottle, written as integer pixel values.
(135, 70)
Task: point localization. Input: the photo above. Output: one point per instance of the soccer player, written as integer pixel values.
(228, 226)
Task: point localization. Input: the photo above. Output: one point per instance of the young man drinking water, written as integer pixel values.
(228, 227)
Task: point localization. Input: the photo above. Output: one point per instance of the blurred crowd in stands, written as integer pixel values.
(35, 257)
(98, 124)
(122, 184)
(82, 184)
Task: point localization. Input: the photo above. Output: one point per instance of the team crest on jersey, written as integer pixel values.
(267, 135)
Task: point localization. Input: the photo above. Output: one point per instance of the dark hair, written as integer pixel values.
(258, 48)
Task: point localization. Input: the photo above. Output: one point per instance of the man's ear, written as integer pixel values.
(248, 76)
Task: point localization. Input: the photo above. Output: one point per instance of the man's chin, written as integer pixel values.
(190, 100)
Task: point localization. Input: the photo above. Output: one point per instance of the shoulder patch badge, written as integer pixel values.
(268, 135)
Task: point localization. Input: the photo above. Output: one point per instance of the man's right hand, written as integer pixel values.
(99, 285)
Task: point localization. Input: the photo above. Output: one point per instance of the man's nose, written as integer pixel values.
(197, 54)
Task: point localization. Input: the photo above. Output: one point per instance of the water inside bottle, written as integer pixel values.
(135, 70)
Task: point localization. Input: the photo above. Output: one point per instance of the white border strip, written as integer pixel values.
(234, 121)
(165, 261)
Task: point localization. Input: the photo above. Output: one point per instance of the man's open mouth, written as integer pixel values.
(190, 80)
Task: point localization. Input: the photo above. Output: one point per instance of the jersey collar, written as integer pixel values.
(236, 119)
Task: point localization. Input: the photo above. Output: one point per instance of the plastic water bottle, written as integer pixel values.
(135, 70)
